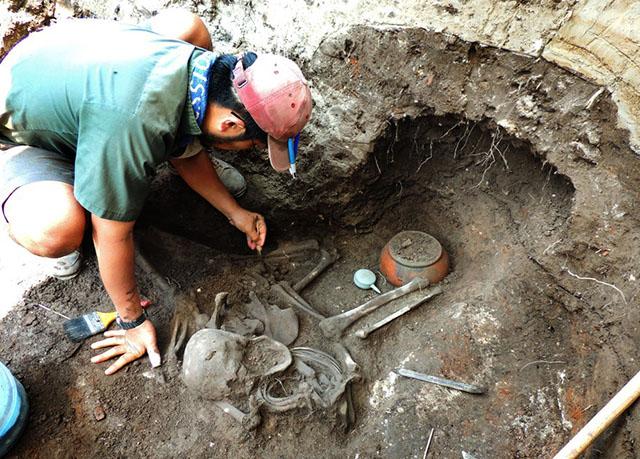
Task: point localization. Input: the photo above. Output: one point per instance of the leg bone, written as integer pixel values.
(326, 260)
(364, 332)
(283, 295)
(334, 326)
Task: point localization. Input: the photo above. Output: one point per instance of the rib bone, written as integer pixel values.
(334, 326)
(364, 332)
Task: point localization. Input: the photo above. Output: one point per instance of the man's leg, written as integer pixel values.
(183, 25)
(37, 204)
(45, 218)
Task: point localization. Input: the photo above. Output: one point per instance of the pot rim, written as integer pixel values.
(410, 263)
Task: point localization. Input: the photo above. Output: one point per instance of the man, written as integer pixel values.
(96, 106)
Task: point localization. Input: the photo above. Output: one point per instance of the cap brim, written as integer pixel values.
(278, 154)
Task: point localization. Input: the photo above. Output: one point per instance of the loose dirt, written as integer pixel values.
(416, 246)
(501, 323)
(533, 196)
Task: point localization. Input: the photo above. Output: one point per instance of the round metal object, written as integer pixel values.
(410, 254)
(365, 279)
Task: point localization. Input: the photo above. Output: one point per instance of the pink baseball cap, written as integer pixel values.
(276, 95)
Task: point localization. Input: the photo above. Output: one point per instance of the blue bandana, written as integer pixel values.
(199, 85)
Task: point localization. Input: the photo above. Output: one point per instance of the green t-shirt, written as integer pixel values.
(110, 96)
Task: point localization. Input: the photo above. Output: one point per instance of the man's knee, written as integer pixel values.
(45, 218)
(53, 241)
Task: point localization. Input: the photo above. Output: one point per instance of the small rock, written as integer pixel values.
(29, 319)
(156, 374)
(99, 413)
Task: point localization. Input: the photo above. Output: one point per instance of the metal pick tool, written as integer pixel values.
(470, 388)
(365, 279)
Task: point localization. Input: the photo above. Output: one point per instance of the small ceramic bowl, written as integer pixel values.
(411, 254)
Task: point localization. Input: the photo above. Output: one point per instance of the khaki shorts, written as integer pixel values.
(23, 165)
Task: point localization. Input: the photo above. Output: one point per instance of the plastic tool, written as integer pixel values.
(14, 408)
(365, 279)
(292, 144)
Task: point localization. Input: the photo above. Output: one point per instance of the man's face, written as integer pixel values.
(222, 143)
(225, 129)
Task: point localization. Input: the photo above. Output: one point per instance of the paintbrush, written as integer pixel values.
(87, 325)
(81, 328)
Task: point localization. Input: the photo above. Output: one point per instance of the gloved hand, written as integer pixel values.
(129, 345)
(253, 225)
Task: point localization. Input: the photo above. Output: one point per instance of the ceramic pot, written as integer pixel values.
(411, 254)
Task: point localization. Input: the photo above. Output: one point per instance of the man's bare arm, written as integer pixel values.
(113, 241)
(114, 245)
(201, 176)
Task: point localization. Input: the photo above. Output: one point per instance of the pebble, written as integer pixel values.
(29, 319)
(99, 413)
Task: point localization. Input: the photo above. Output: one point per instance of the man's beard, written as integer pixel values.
(209, 140)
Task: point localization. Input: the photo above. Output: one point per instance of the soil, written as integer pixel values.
(501, 322)
(417, 247)
(533, 197)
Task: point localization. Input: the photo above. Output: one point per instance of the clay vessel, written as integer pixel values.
(411, 254)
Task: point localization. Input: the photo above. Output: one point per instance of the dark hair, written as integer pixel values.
(221, 92)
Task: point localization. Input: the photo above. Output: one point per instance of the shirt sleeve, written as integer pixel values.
(115, 161)
(192, 149)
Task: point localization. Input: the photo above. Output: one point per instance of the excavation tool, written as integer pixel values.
(364, 332)
(334, 326)
(292, 249)
(365, 279)
(426, 449)
(92, 323)
(88, 325)
(470, 388)
(46, 308)
(603, 419)
(292, 145)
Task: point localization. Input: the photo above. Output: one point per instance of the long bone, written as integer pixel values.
(334, 326)
(365, 331)
(249, 421)
(289, 295)
(280, 291)
(346, 407)
(293, 248)
(326, 260)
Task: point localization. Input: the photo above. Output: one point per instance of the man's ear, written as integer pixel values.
(231, 123)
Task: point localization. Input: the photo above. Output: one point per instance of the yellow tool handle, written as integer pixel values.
(107, 317)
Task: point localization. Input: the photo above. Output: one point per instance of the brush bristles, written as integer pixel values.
(83, 327)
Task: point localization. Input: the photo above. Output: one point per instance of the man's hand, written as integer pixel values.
(252, 224)
(129, 345)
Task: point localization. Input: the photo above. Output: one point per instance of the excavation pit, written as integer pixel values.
(517, 165)
(496, 208)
